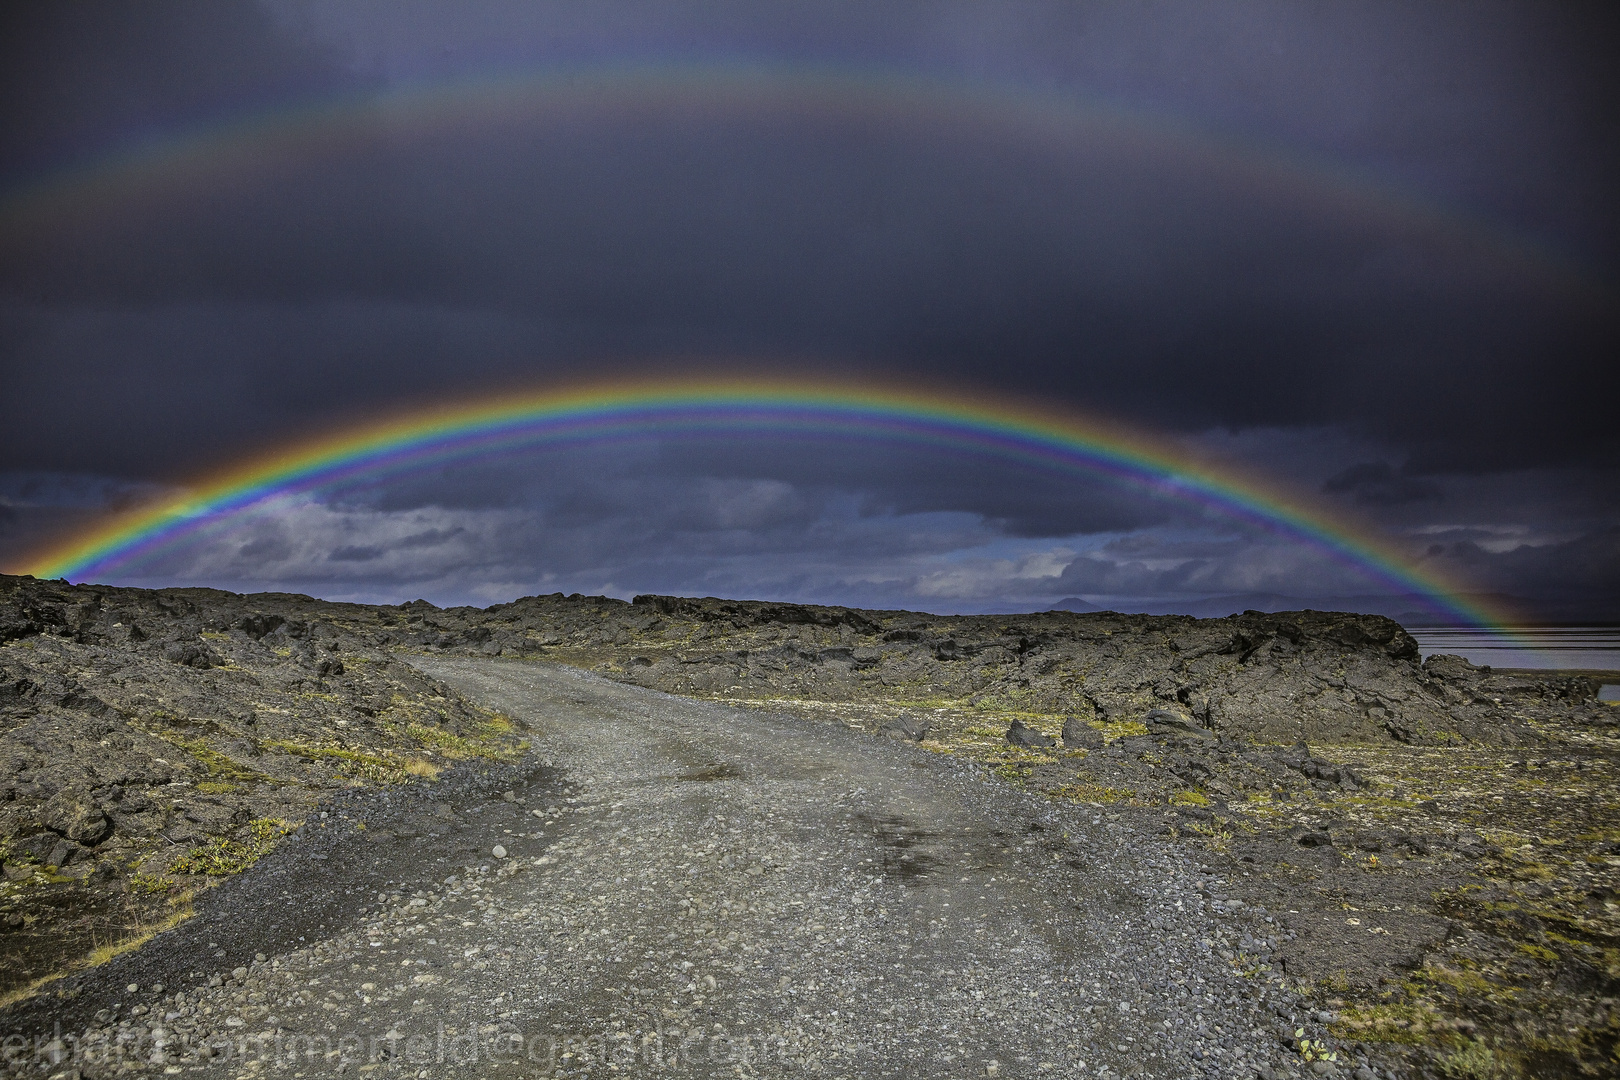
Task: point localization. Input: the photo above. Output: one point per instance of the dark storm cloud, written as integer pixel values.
(900, 479)
(355, 553)
(269, 548)
(430, 538)
(1379, 484)
(1578, 579)
(1207, 316)
(1453, 317)
(1148, 287)
(78, 77)
(582, 483)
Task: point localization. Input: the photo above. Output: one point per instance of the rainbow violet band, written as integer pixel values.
(652, 409)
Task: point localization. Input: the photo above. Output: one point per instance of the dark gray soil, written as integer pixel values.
(322, 880)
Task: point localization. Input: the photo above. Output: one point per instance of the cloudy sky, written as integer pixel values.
(1364, 251)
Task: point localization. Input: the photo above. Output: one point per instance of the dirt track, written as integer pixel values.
(720, 887)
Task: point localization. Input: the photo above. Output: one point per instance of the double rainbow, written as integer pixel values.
(825, 409)
(239, 153)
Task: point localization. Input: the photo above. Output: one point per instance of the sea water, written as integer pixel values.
(1581, 647)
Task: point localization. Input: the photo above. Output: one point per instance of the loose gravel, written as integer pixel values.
(710, 891)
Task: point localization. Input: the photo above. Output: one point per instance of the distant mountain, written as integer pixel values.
(1073, 603)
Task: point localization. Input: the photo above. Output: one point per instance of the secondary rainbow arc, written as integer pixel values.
(375, 452)
(219, 155)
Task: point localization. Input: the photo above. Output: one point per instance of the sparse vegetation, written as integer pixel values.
(1475, 1060)
(452, 746)
(220, 768)
(224, 856)
(1093, 793)
(215, 787)
(149, 884)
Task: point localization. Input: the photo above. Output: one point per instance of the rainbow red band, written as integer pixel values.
(653, 409)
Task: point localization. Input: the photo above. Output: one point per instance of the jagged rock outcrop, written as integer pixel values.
(1278, 677)
(1319, 676)
(135, 724)
(1325, 677)
(1027, 737)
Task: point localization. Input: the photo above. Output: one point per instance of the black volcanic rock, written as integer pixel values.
(1329, 677)
(907, 726)
(1020, 735)
(1168, 724)
(1079, 735)
(1272, 677)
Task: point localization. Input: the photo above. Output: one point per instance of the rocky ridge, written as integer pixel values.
(1280, 677)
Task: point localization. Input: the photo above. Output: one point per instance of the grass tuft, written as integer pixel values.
(97, 957)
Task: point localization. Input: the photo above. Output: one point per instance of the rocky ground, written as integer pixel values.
(717, 891)
(154, 742)
(1425, 853)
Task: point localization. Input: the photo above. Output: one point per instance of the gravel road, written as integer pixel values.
(713, 891)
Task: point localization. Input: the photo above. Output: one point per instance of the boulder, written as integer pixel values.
(1298, 758)
(37, 847)
(139, 823)
(193, 654)
(257, 624)
(1454, 669)
(1164, 724)
(1020, 735)
(1079, 735)
(907, 726)
(72, 814)
(212, 818)
(66, 853)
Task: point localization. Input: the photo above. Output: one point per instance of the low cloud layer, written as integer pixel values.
(832, 524)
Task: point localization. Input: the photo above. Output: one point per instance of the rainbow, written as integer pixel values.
(235, 155)
(824, 408)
